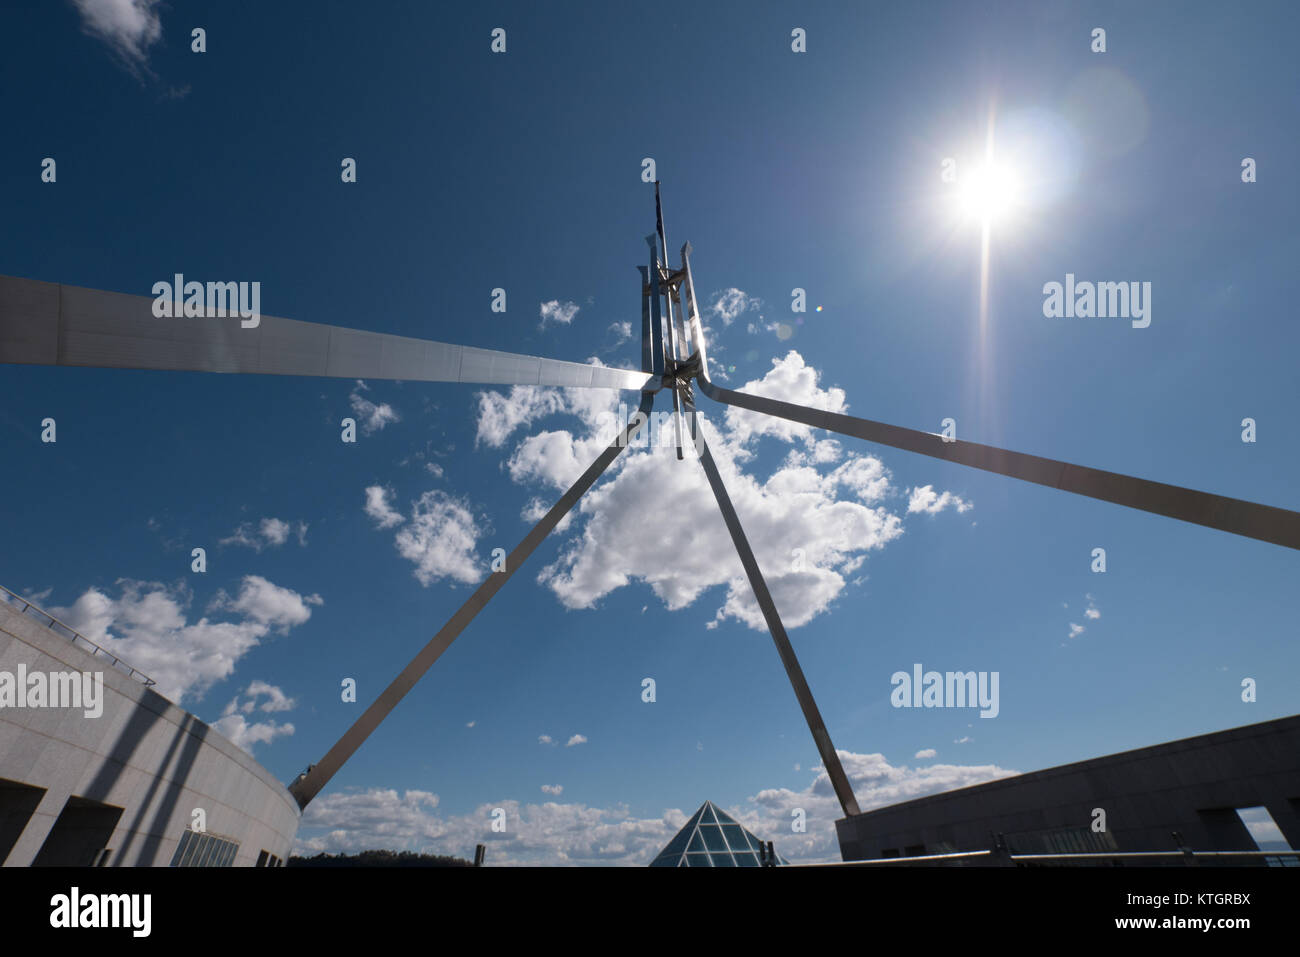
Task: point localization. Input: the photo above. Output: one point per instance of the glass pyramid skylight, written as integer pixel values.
(712, 838)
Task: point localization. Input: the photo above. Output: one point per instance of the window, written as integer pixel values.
(204, 850)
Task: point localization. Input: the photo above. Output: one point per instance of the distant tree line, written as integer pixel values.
(378, 859)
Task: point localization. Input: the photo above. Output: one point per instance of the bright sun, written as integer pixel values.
(990, 193)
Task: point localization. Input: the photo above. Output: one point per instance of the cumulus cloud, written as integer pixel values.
(536, 834)
(812, 522)
(146, 626)
(378, 508)
(876, 783)
(275, 699)
(499, 415)
(559, 834)
(268, 533)
(266, 603)
(371, 417)
(926, 499)
(552, 789)
(622, 332)
(440, 538)
(1091, 612)
(576, 739)
(241, 733)
(245, 734)
(556, 311)
(537, 507)
(129, 27)
(926, 753)
(730, 303)
(1076, 630)
(545, 739)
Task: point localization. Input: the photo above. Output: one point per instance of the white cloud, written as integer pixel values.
(146, 627)
(1091, 612)
(545, 739)
(730, 303)
(926, 499)
(470, 724)
(372, 417)
(379, 509)
(1076, 630)
(790, 380)
(276, 699)
(926, 753)
(552, 789)
(556, 311)
(622, 332)
(275, 531)
(440, 539)
(267, 603)
(538, 507)
(499, 415)
(801, 503)
(876, 783)
(434, 469)
(237, 728)
(241, 733)
(129, 27)
(576, 739)
(964, 739)
(552, 833)
(549, 833)
(834, 506)
(269, 533)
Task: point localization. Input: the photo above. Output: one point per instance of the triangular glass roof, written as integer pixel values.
(712, 838)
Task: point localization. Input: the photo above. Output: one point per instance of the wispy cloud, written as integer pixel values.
(926, 499)
(259, 695)
(129, 27)
(268, 533)
(379, 509)
(556, 311)
(146, 625)
(372, 417)
(730, 303)
(622, 332)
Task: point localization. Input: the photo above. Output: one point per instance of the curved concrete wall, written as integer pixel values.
(143, 755)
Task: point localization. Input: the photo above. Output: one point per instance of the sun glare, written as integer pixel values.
(990, 193)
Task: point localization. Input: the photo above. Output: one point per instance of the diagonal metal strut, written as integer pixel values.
(1250, 519)
(308, 785)
(831, 760)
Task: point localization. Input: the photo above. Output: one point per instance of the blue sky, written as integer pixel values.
(818, 170)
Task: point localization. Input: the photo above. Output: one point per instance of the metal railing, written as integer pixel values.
(31, 611)
(1116, 858)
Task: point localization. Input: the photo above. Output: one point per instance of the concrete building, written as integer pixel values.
(1194, 786)
(119, 787)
